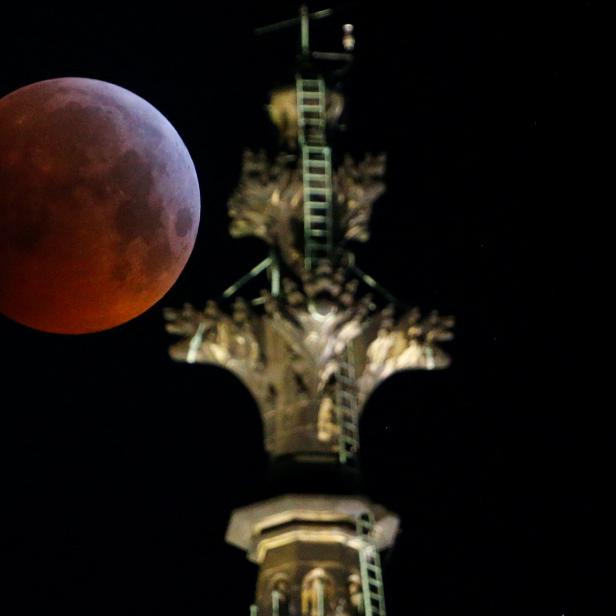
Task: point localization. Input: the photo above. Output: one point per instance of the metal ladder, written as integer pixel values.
(316, 171)
(370, 567)
(320, 598)
(347, 409)
(279, 604)
(277, 609)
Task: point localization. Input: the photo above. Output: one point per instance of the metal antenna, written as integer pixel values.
(303, 12)
(287, 23)
(304, 22)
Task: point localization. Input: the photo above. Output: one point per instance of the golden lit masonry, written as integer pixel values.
(311, 348)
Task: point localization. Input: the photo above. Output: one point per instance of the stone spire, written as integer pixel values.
(311, 348)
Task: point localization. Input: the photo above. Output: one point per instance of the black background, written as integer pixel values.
(120, 468)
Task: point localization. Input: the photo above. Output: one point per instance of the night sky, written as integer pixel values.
(119, 468)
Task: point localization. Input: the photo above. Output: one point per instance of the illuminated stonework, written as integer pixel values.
(289, 352)
(311, 349)
(314, 551)
(283, 112)
(269, 202)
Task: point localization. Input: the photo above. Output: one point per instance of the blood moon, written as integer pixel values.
(99, 205)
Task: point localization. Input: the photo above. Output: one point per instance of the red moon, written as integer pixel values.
(99, 205)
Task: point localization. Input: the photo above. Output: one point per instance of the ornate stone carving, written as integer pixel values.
(357, 185)
(311, 544)
(288, 352)
(283, 112)
(311, 351)
(268, 202)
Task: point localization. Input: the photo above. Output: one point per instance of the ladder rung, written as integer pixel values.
(315, 149)
(313, 131)
(317, 231)
(349, 413)
(346, 395)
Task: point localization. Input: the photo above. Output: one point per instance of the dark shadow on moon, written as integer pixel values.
(184, 222)
(135, 217)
